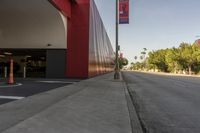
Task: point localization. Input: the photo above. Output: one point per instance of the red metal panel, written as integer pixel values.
(78, 40)
(101, 54)
(89, 51)
(78, 36)
(63, 5)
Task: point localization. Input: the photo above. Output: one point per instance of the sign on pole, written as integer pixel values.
(123, 11)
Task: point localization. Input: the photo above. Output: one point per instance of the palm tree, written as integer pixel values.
(144, 53)
(135, 58)
(143, 57)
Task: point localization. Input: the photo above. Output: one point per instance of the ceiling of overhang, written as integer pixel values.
(31, 24)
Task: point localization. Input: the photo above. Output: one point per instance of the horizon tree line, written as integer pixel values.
(183, 59)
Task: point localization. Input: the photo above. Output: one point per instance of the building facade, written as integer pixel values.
(54, 38)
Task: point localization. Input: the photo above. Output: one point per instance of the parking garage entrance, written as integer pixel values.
(34, 34)
(27, 62)
(33, 62)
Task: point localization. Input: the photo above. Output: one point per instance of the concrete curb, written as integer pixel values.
(135, 123)
(170, 74)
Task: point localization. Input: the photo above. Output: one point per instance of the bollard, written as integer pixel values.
(5, 72)
(11, 77)
(24, 72)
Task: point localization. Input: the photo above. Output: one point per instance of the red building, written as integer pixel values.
(68, 38)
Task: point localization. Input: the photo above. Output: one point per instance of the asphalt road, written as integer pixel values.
(29, 87)
(165, 104)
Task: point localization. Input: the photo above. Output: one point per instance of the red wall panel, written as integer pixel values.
(101, 54)
(78, 42)
(89, 52)
(78, 35)
(63, 5)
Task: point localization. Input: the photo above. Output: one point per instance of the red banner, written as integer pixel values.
(123, 11)
(121, 55)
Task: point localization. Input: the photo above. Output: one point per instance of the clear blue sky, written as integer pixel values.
(154, 24)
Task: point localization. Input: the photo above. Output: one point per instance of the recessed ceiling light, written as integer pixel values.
(7, 53)
(2, 55)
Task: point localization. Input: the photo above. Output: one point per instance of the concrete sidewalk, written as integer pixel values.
(96, 105)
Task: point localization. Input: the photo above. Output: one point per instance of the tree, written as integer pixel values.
(157, 60)
(135, 57)
(144, 53)
(141, 57)
(186, 58)
(122, 62)
(137, 66)
(190, 55)
(174, 60)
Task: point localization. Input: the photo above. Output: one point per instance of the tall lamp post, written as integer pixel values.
(116, 75)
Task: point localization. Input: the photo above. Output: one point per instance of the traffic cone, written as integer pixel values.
(11, 78)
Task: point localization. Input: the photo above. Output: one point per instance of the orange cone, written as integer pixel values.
(11, 78)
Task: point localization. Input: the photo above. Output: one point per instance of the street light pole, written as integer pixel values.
(116, 75)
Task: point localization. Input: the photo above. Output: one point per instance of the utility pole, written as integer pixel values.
(116, 75)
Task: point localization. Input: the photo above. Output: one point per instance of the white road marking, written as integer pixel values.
(11, 97)
(52, 82)
(6, 85)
